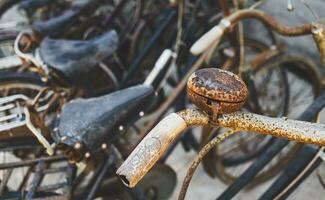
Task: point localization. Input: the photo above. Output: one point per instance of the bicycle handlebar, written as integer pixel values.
(215, 34)
(149, 150)
(304, 29)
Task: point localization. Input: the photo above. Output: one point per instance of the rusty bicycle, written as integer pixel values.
(217, 94)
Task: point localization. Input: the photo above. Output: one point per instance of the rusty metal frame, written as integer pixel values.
(147, 153)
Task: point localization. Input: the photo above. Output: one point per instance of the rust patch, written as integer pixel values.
(218, 84)
(209, 87)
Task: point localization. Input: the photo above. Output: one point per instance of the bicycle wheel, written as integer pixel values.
(20, 83)
(26, 171)
(304, 163)
(300, 73)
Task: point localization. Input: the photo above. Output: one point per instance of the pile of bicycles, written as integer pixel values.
(96, 94)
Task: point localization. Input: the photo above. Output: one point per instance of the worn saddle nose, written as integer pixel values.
(75, 59)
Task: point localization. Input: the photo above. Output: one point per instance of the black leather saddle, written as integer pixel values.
(75, 59)
(54, 25)
(29, 5)
(93, 121)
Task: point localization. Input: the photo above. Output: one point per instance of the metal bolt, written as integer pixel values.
(77, 145)
(87, 155)
(141, 113)
(63, 138)
(104, 146)
(151, 193)
(120, 128)
(273, 47)
(63, 94)
(289, 5)
(44, 79)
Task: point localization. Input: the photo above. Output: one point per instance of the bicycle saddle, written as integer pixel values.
(55, 25)
(76, 58)
(28, 5)
(91, 122)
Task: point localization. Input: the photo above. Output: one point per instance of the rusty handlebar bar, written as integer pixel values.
(217, 102)
(214, 35)
(147, 153)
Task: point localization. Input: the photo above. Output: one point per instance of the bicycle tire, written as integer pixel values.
(7, 77)
(38, 195)
(293, 170)
(25, 149)
(19, 82)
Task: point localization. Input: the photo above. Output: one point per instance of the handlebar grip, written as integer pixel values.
(150, 149)
(203, 43)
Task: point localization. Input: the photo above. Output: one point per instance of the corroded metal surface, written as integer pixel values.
(299, 131)
(304, 29)
(265, 55)
(203, 103)
(217, 84)
(203, 152)
(147, 153)
(211, 87)
(318, 32)
(194, 117)
(227, 24)
(149, 150)
(216, 91)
